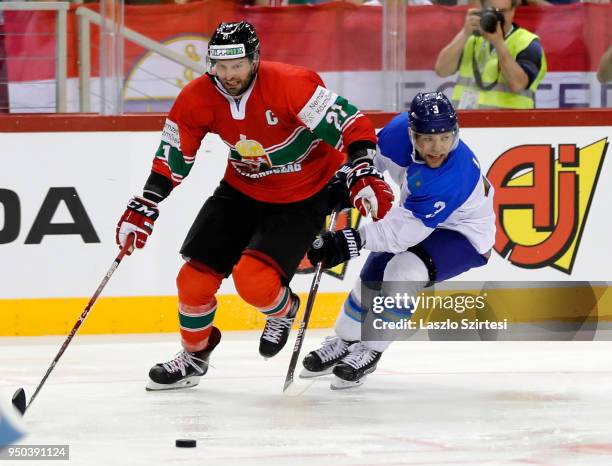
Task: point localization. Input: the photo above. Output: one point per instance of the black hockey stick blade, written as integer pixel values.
(19, 400)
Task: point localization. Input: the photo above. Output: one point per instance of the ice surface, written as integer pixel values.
(429, 403)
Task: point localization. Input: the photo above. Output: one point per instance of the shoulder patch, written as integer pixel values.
(170, 134)
(415, 182)
(316, 108)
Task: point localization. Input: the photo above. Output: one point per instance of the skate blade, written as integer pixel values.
(187, 383)
(340, 384)
(306, 374)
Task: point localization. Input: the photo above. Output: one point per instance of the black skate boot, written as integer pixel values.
(322, 361)
(355, 366)
(276, 331)
(185, 369)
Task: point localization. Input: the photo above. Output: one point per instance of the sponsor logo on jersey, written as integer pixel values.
(253, 157)
(542, 201)
(278, 170)
(316, 108)
(170, 134)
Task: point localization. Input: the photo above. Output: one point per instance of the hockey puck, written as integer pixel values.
(185, 443)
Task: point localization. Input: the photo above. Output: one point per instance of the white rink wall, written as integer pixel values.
(106, 168)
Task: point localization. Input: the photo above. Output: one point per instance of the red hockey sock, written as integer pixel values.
(259, 284)
(197, 285)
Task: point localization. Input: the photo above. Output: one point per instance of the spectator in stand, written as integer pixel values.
(604, 72)
(499, 66)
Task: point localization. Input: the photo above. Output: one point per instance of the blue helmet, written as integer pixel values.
(432, 113)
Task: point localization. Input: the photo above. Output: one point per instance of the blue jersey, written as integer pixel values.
(455, 195)
(433, 193)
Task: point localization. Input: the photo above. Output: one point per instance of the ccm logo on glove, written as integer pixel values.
(138, 218)
(142, 208)
(369, 192)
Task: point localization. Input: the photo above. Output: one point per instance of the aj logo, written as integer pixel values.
(542, 202)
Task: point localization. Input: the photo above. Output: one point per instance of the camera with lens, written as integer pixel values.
(489, 17)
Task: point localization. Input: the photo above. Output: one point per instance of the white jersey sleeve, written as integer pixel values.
(395, 233)
(386, 164)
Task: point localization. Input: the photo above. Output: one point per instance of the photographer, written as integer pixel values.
(500, 64)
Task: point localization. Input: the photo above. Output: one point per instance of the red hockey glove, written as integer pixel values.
(138, 219)
(369, 191)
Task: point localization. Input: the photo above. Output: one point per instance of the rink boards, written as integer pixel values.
(65, 184)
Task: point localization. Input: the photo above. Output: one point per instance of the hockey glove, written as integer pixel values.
(338, 193)
(369, 192)
(333, 248)
(138, 218)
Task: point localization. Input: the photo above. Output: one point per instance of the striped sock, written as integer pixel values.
(196, 325)
(353, 309)
(281, 304)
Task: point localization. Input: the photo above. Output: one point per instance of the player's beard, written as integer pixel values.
(237, 87)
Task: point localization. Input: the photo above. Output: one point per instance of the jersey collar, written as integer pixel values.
(237, 103)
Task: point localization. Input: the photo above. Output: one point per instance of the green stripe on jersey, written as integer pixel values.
(175, 159)
(325, 114)
(293, 151)
(330, 126)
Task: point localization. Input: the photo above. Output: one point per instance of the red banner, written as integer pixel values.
(330, 37)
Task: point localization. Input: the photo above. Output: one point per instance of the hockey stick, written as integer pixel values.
(19, 398)
(304, 323)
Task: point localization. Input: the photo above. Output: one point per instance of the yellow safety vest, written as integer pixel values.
(500, 95)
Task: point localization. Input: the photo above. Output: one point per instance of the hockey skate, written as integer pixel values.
(276, 331)
(352, 370)
(321, 361)
(185, 369)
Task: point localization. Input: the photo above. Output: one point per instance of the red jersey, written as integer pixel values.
(284, 134)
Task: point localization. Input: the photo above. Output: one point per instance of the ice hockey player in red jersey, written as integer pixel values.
(286, 135)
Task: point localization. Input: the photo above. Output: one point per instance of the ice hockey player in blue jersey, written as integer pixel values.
(443, 225)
